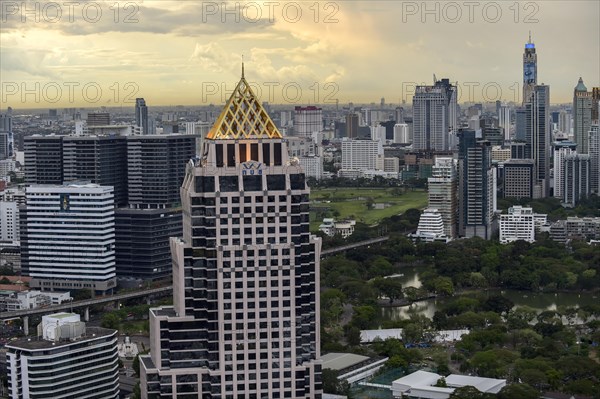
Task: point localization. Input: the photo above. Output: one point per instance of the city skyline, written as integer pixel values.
(300, 53)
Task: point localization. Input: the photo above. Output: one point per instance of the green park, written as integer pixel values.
(365, 205)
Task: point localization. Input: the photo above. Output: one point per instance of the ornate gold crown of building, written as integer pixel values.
(243, 117)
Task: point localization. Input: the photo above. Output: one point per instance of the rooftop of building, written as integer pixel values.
(37, 343)
(341, 361)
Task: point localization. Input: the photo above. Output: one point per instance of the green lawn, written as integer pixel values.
(352, 203)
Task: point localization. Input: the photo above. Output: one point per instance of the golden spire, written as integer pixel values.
(243, 117)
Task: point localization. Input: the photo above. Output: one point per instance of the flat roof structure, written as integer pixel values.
(340, 361)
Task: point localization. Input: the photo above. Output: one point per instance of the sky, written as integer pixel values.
(96, 53)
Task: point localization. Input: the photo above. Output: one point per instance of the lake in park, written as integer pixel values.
(537, 301)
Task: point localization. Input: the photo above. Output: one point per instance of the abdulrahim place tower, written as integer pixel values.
(245, 316)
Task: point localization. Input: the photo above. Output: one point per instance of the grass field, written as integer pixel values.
(352, 203)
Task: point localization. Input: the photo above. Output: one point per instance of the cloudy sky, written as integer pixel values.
(95, 53)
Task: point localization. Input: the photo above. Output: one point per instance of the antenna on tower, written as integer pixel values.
(434, 79)
(529, 36)
(242, 65)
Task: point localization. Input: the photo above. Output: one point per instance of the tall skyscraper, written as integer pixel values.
(564, 122)
(352, 125)
(477, 186)
(155, 172)
(156, 168)
(529, 70)
(504, 120)
(434, 116)
(442, 188)
(577, 179)
(7, 141)
(307, 120)
(582, 116)
(67, 360)
(595, 103)
(594, 151)
(68, 237)
(562, 149)
(141, 116)
(538, 133)
(245, 319)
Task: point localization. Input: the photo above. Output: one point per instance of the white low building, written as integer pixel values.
(34, 299)
(421, 385)
(345, 228)
(431, 227)
(520, 224)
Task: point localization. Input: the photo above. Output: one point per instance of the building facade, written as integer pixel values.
(362, 155)
(141, 116)
(538, 134)
(68, 360)
(434, 116)
(582, 116)
(594, 152)
(443, 195)
(577, 179)
(529, 70)
(68, 237)
(156, 168)
(517, 224)
(517, 178)
(245, 319)
(477, 187)
(307, 120)
(43, 159)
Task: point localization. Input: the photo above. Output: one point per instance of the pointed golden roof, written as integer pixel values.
(243, 117)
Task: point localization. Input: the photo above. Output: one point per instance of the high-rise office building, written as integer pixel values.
(245, 319)
(307, 120)
(141, 116)
(521, 124)
(142, 249)
(595, 103)
(529, 70)
(352, 125)
(538, 133)
(477, 186)
(517, 178)
(594, 151)
(155, 171)
(362, 155)
(98, 119)
(442, 189)
(7, 141)
(68, 360)
(98, 159)
(582, 116)
(504, 120)
(68, 237)
(564, 122)
(156, 168)
(561, 150)
(577, 179)
(434, 116)
(43, 159)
